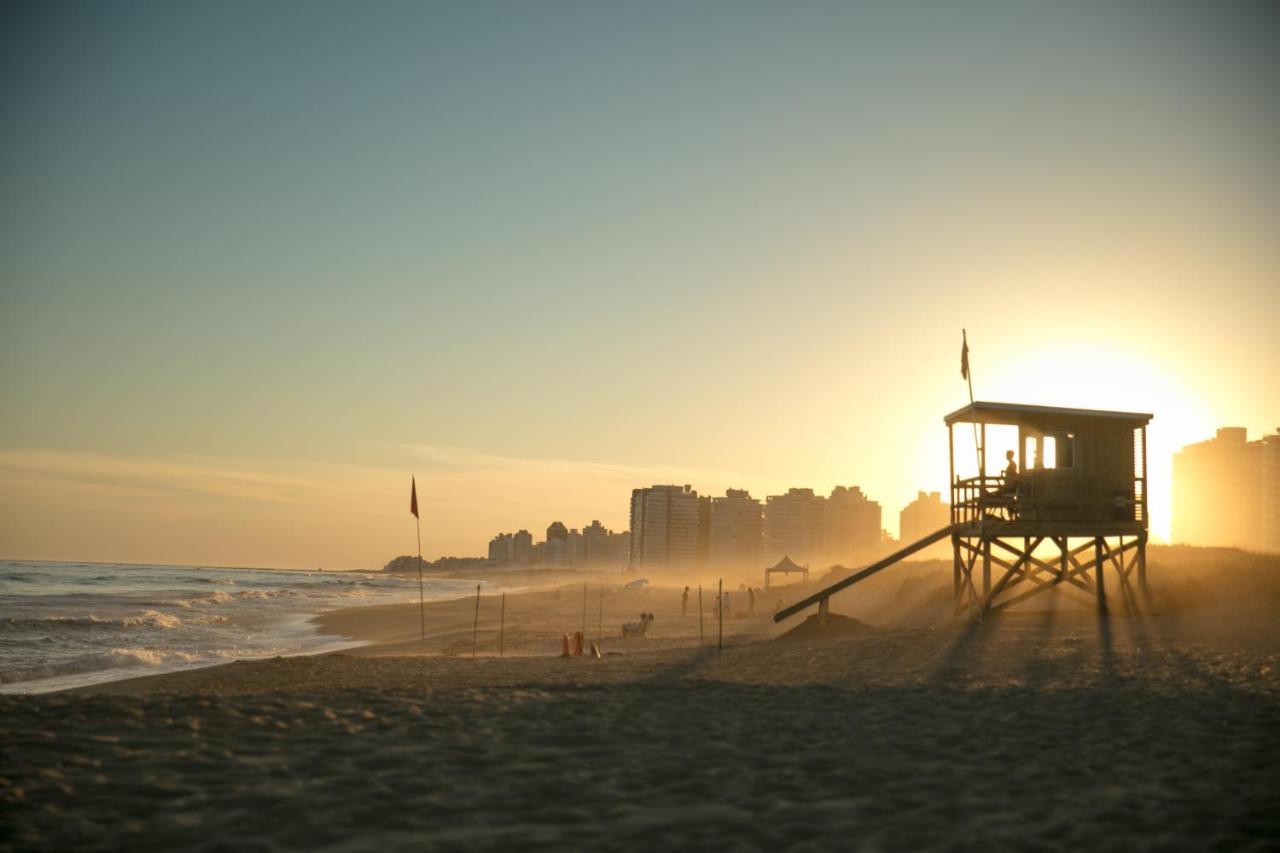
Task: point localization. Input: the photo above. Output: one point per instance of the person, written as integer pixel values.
(751, 601)
(1008, 477)
(684, 602)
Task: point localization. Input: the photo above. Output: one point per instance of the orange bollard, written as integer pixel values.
(577, 644)
(564, 646)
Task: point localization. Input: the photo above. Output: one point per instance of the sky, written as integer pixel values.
(261, 263)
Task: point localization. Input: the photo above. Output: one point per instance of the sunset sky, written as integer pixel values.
(259, 262)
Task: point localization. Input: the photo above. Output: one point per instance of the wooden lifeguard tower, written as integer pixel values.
(1077, 505)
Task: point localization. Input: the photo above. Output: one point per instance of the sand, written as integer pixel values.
(1051, 730)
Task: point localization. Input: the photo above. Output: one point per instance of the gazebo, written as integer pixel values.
(785, 567)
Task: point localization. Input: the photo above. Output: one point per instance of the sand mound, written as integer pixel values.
(837, 626)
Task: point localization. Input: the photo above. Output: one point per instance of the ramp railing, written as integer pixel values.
(821, 597)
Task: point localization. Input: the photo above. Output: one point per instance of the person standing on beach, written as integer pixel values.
(751, 601)
(684, 602)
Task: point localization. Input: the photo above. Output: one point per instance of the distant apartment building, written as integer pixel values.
(851, 531)
(555, 551)
(793, 526)
(921, 517)
(500, 548)
(604, 549)
(665, 527)
(736, 530)
(522, 547)
(1226, 491)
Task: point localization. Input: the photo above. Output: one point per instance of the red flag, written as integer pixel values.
(964, 356)
(413, 496)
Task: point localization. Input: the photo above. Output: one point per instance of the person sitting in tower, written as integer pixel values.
(1010, 470)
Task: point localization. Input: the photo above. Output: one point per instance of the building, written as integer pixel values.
(522, 547)
(604, 549)
(665, 528)
(736, 530)
(921, 517)
(851, 532)
(500, 548)
(555, 551)
(1226, 491)
(793, 526)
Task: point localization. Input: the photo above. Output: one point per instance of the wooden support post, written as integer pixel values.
(1098, 545)
(702, 638)
(986, 569)
(822, 611)
(957, 586)
(1142, 570)
(720, 611)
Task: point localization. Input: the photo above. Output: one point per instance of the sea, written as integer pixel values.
(72, 624)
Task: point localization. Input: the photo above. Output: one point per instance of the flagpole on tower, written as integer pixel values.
(417, 522)
(968, 375)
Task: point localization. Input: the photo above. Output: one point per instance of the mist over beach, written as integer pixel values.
(732, 425)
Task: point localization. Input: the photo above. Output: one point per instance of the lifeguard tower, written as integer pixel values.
(1077, 504)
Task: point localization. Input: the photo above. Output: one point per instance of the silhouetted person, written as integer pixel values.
(1010, 470)
(684, 602)
(751, 600)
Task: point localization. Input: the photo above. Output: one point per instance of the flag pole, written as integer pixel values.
(422, 610)
(968, 375)
(417, 523)
(475, 626)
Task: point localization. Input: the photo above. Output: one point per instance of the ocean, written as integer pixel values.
(71, 624)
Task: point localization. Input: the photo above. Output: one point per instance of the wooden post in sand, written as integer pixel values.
(502, 622)
(702, 640)
(720, 610)
(475, 626)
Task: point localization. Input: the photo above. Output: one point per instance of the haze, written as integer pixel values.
(261, 262)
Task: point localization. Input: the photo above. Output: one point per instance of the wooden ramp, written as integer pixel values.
(820, 598)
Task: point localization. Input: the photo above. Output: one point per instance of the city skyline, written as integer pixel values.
(261, 265)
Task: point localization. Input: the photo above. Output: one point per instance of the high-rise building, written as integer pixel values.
(664, 527)
(604, 549)
(851, 531)
(921, 517)
(793, 526)
(500, 548)
(1226, 491)
(736, 531)
(522, 547)
(555, 551)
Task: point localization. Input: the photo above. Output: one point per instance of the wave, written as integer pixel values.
(116, 658)
(147, 619)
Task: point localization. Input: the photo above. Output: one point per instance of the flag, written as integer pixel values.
(413, 496)
(964, 355)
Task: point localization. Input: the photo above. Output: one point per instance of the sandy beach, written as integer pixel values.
(1047, 730)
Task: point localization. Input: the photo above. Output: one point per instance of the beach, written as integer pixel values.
(1047, 730)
